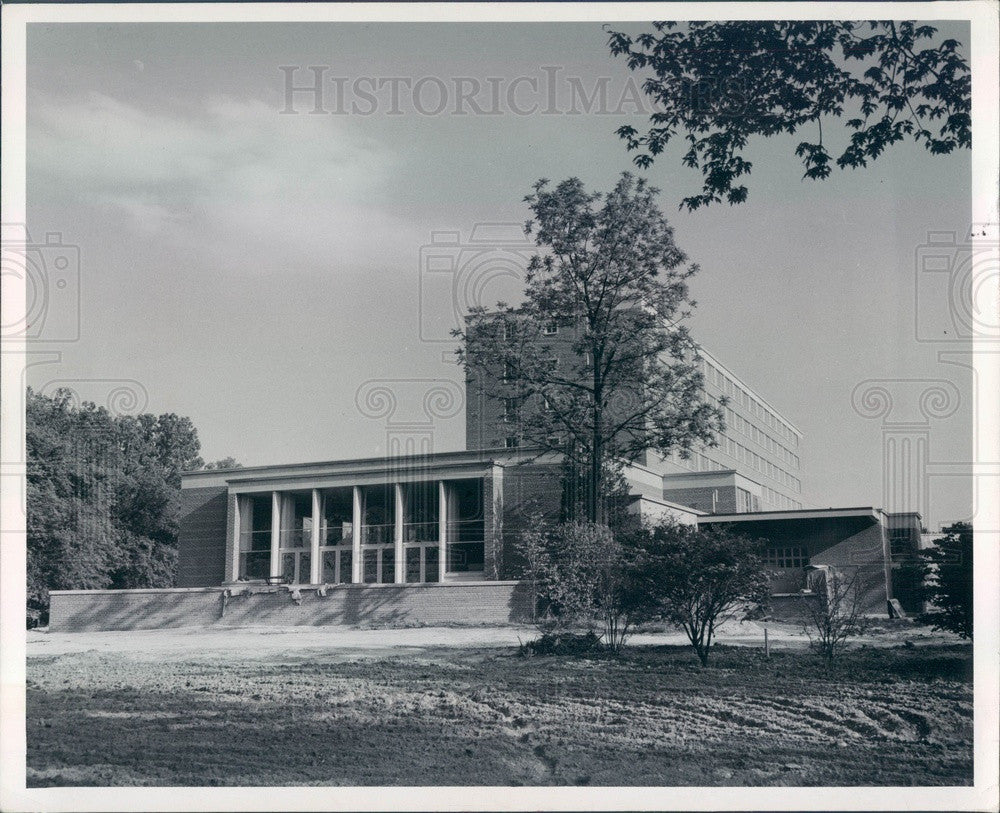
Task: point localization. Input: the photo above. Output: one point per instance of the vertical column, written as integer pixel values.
(315, 562)
(356, 537)
(400, 575)
(275, 533)
(442, 530)
(234, 560)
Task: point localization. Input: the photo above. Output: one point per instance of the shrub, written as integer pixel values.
(697, 579)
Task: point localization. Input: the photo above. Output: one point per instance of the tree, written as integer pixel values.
(102, 497)
(225, 463)
(947, 572)
(585, 576)
(701, 578)
(835, 615)
(721, 83)
(610, 275)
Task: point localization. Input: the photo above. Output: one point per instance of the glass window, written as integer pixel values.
(788, 556)
(388, 565)
(510, 443)
(413, 565)
(550, 329)
(431, 564)
(370, 563)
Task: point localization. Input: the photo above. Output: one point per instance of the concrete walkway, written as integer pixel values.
(266, 641)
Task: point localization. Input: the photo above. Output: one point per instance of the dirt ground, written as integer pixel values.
(333, 706)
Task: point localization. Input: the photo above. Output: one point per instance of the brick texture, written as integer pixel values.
(468, 604)
(201, 543)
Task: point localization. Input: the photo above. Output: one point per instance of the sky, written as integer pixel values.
(265, 270)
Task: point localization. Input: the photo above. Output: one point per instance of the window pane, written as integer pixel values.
(288, 566)
(413, 565)
(388, 565)
(346, 563)
(329, 567)
(466, 557)
(370, 575)
(305, 564)
(431, 559)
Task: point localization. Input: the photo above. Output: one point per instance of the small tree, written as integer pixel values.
(836, 616)
(947, 572)
(701, 578)
(586, 578)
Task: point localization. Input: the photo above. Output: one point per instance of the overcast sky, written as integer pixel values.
(253, 269)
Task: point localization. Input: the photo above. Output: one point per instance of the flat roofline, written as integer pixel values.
(687, 509)
(750, 389)
(804, 513)
(485, 456)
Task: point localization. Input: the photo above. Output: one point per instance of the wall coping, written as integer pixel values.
(276, 588)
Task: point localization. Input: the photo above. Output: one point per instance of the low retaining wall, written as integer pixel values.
(466, 603)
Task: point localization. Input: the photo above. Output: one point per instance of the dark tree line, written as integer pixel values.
(102, 497)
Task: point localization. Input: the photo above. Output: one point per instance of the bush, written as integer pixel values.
(563, 643)
(697, 579)
(585, 577)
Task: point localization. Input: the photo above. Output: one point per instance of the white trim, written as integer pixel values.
(823, 513)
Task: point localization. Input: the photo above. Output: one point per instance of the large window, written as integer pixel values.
(465, 527)
(255, 537)
(787, 556)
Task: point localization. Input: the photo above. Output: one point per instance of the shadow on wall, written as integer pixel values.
(495, 603)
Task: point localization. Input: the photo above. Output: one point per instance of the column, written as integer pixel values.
(400, 575)
(275, 533)
(315, 562)
(442, 530)
(356, 537)
(234, 560)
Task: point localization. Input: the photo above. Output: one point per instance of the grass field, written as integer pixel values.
(894, 715)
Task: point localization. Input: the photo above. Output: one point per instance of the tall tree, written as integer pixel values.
(720, 83)
(610, 276)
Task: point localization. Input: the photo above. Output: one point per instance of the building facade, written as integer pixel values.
(755, 466)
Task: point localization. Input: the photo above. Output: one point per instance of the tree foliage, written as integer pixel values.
(948, 586)
(102, 497)
(720, 83)
(701, 578)
(586, 577)
(610, 276)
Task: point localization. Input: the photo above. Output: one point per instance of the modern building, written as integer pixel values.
(755, 466)
(424, 539)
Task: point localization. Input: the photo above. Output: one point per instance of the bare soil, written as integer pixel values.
(137, 709)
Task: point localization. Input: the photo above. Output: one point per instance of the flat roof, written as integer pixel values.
(432, 459)
(809, 513)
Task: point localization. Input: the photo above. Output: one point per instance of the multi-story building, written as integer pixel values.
(755, 465)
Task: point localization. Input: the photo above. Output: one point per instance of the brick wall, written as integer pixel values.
(469, 603)
(201, 542)
(701, 498)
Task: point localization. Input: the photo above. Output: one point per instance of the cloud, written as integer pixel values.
(227, 172)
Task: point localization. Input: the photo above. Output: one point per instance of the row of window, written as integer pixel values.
(765, 467)
(788, 556)
(779, 500)
(700, 462)
(739, 395)
(744, 427)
